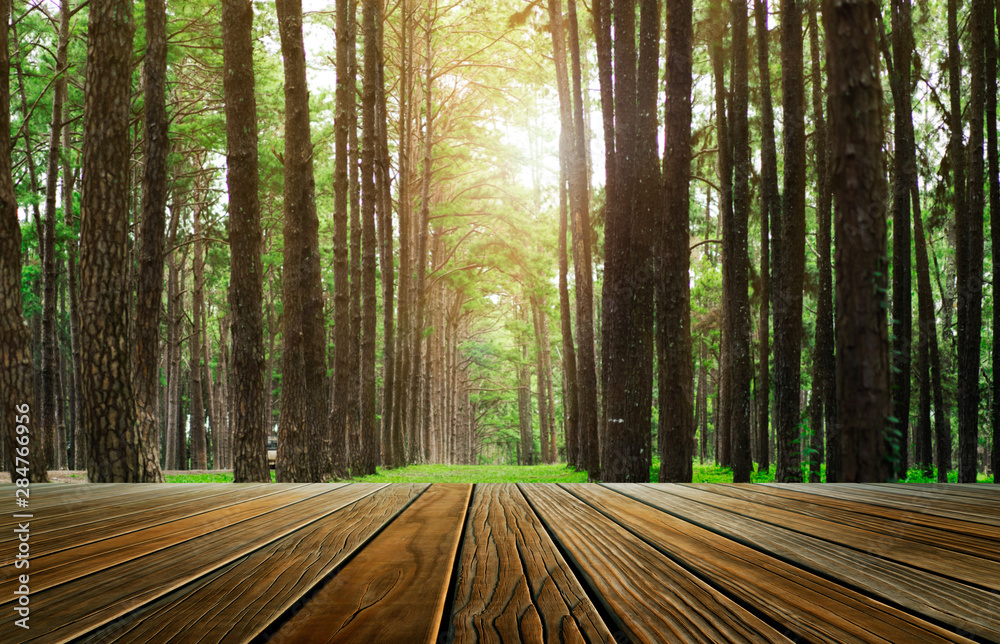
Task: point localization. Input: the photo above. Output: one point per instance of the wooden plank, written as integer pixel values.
(979, 491)
(651, 597)
(75, 608)
(512, 581)
(394, 589)
(71, 563)
(898, 546)
(963, 500)
(806, 604)
(947, 510)
(964, 607)
(89, 525)
(63, 495)
(237, 602)
(767, 504)
(817, 505)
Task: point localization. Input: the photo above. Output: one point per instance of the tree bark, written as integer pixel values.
(994, 187)
(673, 342)
(629, 268)
(302, 424)
(370, 98)
(50, 350)
(859, 190)
(969, 257)
(735, 271)
(386, 267)
(586, 378)
(543, 411)
(198, 437)
(770, 209)
(17, 401)
(149, 296)
(416, 417)
(353, 394)
(903, 166)
(118, 452)
(791, 266)
(338, 421)
(724, 169)
(825, 369)
(246, 296)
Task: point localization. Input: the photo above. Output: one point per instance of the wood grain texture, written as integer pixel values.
(79, 596)
(965, 608)
(513, 585)
(760, 503)
(812, 607)
(651, 598)
(238, 601)
(78, 528)
(895, 545)
(65, 565)
(779, 497)
(948, 509)
(235, 563)
(394, 589)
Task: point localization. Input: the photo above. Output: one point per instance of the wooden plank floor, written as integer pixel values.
(504, 563)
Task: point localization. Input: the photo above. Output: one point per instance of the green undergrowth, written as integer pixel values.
(558, 473)
(708, 472)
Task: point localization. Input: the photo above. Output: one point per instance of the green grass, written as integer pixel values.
(219, 477)
(477, 474)
(709, 472)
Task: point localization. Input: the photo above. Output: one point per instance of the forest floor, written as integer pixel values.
(80, 476)
(708, 472)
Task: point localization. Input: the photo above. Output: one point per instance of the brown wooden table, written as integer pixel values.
(374, 563)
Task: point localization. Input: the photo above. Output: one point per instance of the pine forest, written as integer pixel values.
(625, 236)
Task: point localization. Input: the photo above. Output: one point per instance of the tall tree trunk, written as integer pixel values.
(547, 366)
(569, 394)
(370, 98)
(524, 402)
(416, 418)
(246, 296)
(403, 341)
(579, 204)
(149, 298)
(173, 356)
(904, 164)
(770, 211)
(825, 368)
(303, 420)
(354, 442)
(17, 401)
(969, 257)
(198, 438)
(736, 269)
(215, 435)
(628, 295)
(543, 410)
(46, 434)
(791, 265)
(927, 335)
(69, 177)
(118, 453)
(724, 168)
(994, 184)
(858, 186)
(50, 359)
(341, 289)
(386, 267)
(673, 342)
